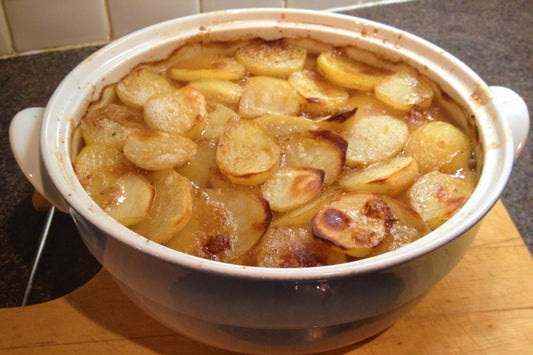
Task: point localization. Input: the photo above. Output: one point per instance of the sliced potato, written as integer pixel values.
(221, 91)
(277, 125)
(263, 95)
(128, 199)
(203, 165)
(107, 96)
(389, 177)
(207, 67)
(439, 145)
(356, 222)
(180, 111)
(157, 150)
(171, 209)
(437, 196)
(289, 188)
(247, 154)
(273, 58)
(403, 91)
(218, 118)
(375, 138)
(339, 121)
(138, 86)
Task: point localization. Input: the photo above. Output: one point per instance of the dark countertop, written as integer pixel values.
(493, 37)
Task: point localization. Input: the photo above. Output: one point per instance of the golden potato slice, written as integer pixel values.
(171, 209)
(207, 67)
(138, 86)
(272, 58)
(218, 118)
(111, 124)
(319, 94)
(289, 188)
(247, 154)
(278, 125)
(180, 111)
(403, 91)
(439, 145)
(263, 95)
(437, 196)
(372, 139)
(356, 222)
(388, 177)
(338, 68)
(128, 199)
(158, 150)
(319, 149)
(203, 165)
(221, 91)
(225, 225)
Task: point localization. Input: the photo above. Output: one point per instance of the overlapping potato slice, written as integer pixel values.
(372, 139)
(128, 199)
(356, 222)
(247, 154)
(138, 86)
(289, 188)
(157, 150)
(181, 111)
(171, 209)
(222, 91)
(278, 125)
(107, 96)
(439, 145)
(319, 149)
(111, 124)
(264, 95)
(203, 165)
(207, 67)
(404, 91)
(218, 118)
(388, 177)
(225, 225)
(437, 196)
(273, 58)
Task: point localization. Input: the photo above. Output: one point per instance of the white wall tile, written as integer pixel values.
(214, 5)
(129, 15)
(5, 38)
(321, 4)
(37, 24)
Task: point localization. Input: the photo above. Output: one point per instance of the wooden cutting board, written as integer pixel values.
(485, 305)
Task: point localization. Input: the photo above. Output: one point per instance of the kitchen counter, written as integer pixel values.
(495, 38)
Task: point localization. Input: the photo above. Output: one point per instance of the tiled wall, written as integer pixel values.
(32, 25)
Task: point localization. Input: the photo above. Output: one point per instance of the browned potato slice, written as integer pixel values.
(437, 196)
(247, 154)
(389, 177)
(203, 165)
(171, 209)
(319, 149)
(356, 222)
(128, 199)
(225, 225)
(207, 67)
(111, 125)
(263, 95)
(277, 125)
(138, 86)
(375, 138)
(289, 188)
(157, 150)
(180, 111)
(439, 145)
(218, 118)
(273, 58)
(222, 91)
(338, 68)
(403, 91)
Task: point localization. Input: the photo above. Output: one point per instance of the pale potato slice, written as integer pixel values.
(272, 58)
(263, 95)
(289, 188)
(218, 118)
(207, 67)
(221, 91)
(107, 96)
(247, 154)
(180, 111)
(404, 91)
(171, 209)
(341, 70)
(128, 199)
(111, 124)
(138, 86)
(76, 142)
(278, 125)
(437, 196)
(372, 139)
(439, 146)
(225, 225)
(388, 177)
(356, 222)
(319, 149)
(158, 150)
(338, 121)
(203, 165)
